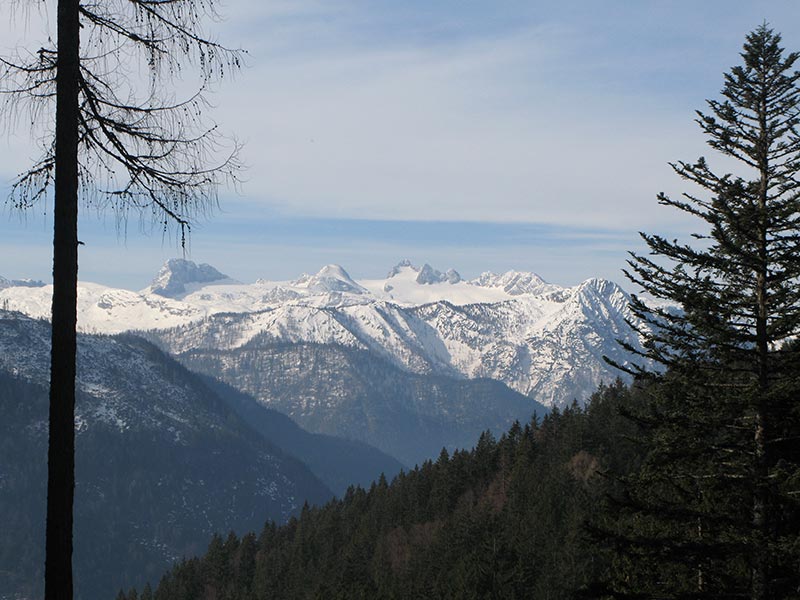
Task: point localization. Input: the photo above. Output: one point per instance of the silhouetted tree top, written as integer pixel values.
(112, 135)
(142, 146)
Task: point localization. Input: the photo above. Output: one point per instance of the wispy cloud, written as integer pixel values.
(565, 118)
(368, 112)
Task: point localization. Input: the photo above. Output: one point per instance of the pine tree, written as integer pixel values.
(713, 511)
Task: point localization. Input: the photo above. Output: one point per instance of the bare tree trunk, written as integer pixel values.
(61, 451)
(761, 517)
(761, 520)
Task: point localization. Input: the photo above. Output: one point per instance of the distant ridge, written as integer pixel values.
(541, 339)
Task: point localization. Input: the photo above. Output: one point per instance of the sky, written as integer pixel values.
(473, 135)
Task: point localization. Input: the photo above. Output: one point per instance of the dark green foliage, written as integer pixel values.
(501, 521)
(714, 511)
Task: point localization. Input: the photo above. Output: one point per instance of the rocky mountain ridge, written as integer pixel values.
(541, 339)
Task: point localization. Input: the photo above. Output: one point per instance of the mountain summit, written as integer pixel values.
(429, 275)
(177, 273)
(514, 283)
(330, 278)
(426, 275)
(29, 283)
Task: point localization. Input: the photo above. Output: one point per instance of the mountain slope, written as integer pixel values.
(337, 462)
(161, 463)
(548, 347)
(354, 394)
(506, 520)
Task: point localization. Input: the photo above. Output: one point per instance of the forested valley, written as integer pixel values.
(504, 520)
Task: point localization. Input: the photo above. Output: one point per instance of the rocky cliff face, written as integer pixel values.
(177, 273)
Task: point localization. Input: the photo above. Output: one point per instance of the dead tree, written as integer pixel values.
(116, 140)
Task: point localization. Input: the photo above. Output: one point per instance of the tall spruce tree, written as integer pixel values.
(119, 140)
(713, 512)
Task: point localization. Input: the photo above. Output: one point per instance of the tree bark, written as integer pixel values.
(761, 518)
(61, 450)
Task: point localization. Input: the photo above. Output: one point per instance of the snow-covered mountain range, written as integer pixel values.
(541, 339)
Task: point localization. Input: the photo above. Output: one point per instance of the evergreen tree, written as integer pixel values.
(713, 512)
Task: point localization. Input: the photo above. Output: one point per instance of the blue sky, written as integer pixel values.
(472, 135)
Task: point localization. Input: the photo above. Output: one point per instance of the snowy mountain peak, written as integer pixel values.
(452, 276)
(31, 283)
(403, 265)
(514, 283)
(428, 275)
(177, 273)
(330, 278)
(601, 287)
(595, 293)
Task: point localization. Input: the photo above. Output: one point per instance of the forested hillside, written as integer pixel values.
(505, 520)
(163, 462)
